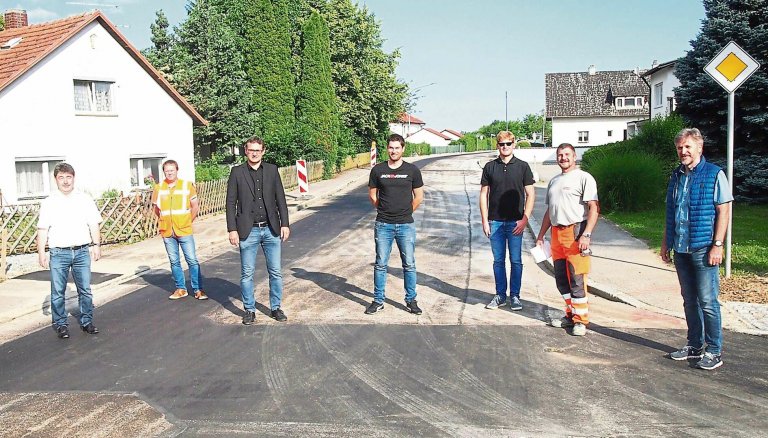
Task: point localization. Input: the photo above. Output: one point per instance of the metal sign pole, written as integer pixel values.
(728, 253)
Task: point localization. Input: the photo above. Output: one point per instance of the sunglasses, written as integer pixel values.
(507, 143)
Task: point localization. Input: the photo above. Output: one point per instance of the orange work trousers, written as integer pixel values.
(571, 269)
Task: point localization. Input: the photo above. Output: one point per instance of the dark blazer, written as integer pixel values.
(241, 195)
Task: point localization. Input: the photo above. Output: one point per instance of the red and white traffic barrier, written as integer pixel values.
(373, 153)
(301, 176)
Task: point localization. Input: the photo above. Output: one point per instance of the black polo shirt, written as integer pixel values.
(257, 177)
(506, 186)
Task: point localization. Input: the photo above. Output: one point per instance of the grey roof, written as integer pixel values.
(659, 67)
(583, 95)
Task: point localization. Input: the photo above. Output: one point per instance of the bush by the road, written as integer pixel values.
(629, 181)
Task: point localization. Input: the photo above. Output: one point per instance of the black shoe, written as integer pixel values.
(249, 317)
(278, 315)
(62, 331)
(90, 328)
(413, 307)
(374, 307)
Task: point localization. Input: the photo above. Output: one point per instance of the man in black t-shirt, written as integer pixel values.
(395, 189)
(506, 203)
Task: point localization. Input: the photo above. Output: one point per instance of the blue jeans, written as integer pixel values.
(405, 236)
(79, 261)
(271, 246)
(187, 244)
(700, 286)
(501, 240)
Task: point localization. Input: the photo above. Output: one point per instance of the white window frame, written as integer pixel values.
(658, 95)
(583, 136)
(637, 102)
(92, 97)
(137, 181)
(46, 166)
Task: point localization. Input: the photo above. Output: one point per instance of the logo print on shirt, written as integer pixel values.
(393, 176)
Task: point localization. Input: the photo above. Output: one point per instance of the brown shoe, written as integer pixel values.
(200, 295)
(180, 293)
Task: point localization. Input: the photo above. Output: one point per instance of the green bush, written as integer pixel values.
(211, 170)
(110, 193)
(629, 181)
(657, 137)
(523, 144)
(412, 149)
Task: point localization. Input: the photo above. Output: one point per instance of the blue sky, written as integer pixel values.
(472, 52)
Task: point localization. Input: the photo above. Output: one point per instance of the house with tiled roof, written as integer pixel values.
(76, 90)
(430, 136)
(406, 124)
(662, 80)
(594, 107)
(453, 135)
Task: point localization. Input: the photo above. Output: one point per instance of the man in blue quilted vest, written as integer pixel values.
(698, 207)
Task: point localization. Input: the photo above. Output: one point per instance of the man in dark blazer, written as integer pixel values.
(257, 215)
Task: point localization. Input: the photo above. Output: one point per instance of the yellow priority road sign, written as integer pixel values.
(731, 67)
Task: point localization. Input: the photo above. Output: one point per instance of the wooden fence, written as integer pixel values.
(131, 218)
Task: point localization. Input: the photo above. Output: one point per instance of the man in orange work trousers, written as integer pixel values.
(572, 212)
(176, 205)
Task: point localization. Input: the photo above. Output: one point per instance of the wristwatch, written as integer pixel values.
(718, 243)
(587, 235)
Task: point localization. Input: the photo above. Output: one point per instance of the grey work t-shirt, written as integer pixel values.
(568, 195)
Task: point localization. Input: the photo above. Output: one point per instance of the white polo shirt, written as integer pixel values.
(67, 218)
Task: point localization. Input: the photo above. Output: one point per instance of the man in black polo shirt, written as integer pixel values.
(395, 189)
(506, 203)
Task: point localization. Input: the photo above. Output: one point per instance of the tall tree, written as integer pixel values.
(370, 96)
(159, 54)
(702, 102)
(209, 73)
(268, 63)
(2, 22)
(316, 103)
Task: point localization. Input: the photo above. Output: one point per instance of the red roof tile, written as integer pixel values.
(438, 133)
(40, 40)
(403, 118)
(456, 133)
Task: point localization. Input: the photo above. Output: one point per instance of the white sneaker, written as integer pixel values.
(579, 329)
(495, 303)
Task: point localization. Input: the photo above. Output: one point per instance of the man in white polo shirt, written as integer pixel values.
(69, 224)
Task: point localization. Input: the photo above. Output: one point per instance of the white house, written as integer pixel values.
(406, 124)
(76, 90)
(430, 136)
(450, 133)
(662, 80)
(593, 108)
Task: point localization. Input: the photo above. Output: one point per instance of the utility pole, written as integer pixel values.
(506, 117)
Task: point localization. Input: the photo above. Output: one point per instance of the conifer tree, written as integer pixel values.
(316, 102)
(702, 102)
(209, 73)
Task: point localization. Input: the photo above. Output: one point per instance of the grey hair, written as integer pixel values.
(693, 133)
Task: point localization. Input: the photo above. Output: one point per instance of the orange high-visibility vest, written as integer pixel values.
(175, 207)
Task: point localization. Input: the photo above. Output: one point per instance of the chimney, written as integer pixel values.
(592, 70)
(654, 64)
(15, 18)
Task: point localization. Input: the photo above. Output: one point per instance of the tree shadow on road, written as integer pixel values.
(222, 291)
(339, 285)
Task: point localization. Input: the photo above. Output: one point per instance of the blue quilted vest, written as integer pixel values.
(701, 214)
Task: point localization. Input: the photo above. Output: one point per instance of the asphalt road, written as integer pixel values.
(190, 368)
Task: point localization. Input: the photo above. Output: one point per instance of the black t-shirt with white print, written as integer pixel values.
(395, 191)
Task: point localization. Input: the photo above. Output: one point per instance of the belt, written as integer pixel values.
(562, 227)
(261, 224)
(73, 248)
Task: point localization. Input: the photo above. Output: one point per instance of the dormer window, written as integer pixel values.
(629, 102)
(11, 43)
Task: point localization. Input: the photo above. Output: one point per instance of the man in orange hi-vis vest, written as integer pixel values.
(176, 205)
(572, 212)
